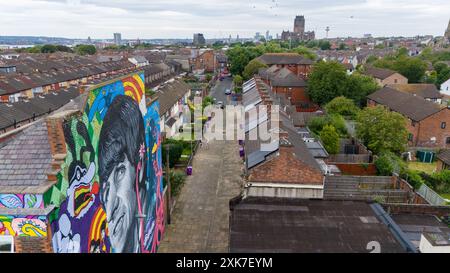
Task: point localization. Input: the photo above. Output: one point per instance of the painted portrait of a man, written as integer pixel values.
(121, 159)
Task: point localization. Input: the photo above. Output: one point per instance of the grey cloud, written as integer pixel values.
(180, 18)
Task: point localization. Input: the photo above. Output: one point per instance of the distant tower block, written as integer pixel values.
(299, 25)
(327, 30)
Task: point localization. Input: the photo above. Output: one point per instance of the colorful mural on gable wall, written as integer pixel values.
(21, 201)
(22, 225)
(31, 226)
(109, 192)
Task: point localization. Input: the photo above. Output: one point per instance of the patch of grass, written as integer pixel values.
(428, 168)
(445, 195)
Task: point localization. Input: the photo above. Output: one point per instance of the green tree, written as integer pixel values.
(330, 139)
(252, 68)
(327, 81)
(175, 150)
(388, 163)
(207, 101)
(305, 52)
(412, 68)
(62, 48)
(426, 54)
(85, 49)
(238, 80)
(177, 179)
(48, 49)
(358, 87)
(431, 78)
(111, 47)
(238, 57)
(382, 130)
(317, 124)
(324, 45)
(35, 49)
(442, 73)
(371, 59)
(402, 52)
(342, 106)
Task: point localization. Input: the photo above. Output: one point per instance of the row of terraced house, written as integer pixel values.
(36, 85)
(298, 198)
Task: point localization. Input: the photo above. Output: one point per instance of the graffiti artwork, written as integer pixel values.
(23, 226)
(112, 175)
(19, 201)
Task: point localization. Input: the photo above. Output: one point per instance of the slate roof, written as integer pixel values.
(444, 156)
(284, 58)
(281, 77)
(271, 225)
(43, 71)
(411, 106)
(169, 93)
(253, 149)
(37, 106)
(379, 73)
(285, 78)
(140, 59)
(25, 159)
(424, 90)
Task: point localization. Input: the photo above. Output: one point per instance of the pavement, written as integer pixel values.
(200, 219)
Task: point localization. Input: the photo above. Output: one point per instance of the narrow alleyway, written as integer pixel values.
(201, 215)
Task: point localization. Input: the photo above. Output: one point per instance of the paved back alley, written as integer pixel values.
(200, 217)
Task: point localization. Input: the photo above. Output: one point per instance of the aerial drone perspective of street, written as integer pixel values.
(223, 134)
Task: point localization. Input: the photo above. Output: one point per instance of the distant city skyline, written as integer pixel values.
(170, 19)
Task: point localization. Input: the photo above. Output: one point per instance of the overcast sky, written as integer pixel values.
(219, 18)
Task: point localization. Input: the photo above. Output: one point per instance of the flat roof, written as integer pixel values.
(271, 225)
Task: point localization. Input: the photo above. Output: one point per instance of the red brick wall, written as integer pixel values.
(357, 169)
(414, 130)
(304, 71)
(401, 184)
(441, 165)
(298, 69)
(395, 79)
(431, 127)
(297, 94)
(439, 211)
(208, 61)
(286, 168)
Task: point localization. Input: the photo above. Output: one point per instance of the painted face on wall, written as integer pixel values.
(119, 200)
(122, 190)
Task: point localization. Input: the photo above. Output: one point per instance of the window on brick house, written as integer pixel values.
(395, 81)
(447, 141)
(443, 125)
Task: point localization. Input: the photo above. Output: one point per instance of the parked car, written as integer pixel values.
(228, 92)
(220, 105)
